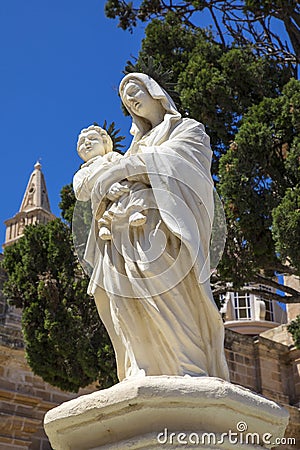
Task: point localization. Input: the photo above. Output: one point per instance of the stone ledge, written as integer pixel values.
(134, 411)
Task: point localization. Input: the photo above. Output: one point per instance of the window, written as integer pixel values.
(269, 303)
(269, 310)
(242, 306)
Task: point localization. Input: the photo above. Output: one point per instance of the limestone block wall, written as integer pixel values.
(242, 360)
(264, 366)
(268, 368)
(24, 400)
(295, 360)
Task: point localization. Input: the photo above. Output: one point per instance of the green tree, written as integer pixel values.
(245, 99)
(216, 84)
(260, 183)
(246, 21)
(66, 343)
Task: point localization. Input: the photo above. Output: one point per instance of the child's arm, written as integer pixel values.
(100, 165)
(80, 184)
(85, 179)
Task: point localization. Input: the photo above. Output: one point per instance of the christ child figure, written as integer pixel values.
(95, 147)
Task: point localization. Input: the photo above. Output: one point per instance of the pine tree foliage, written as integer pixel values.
(148, 65)
(114, 133)
(260, 182)
(224, 86)
(66, 343)
(216, 85)
(67, 203)
(246, 21)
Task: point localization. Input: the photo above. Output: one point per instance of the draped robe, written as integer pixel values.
(151, 284)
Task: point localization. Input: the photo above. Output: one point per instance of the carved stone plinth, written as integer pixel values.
(167, 412)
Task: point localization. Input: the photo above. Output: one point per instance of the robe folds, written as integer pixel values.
(151, 283)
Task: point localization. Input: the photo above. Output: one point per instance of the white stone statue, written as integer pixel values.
(151, 282)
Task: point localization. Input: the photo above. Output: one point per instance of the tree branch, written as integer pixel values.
(238, 20)
(258, 293)
(276, 285)
(217, 25)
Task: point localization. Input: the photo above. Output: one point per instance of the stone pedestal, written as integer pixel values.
(168, 413)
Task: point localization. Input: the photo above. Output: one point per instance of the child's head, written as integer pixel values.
(93, 141)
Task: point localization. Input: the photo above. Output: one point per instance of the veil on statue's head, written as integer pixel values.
(139, 125)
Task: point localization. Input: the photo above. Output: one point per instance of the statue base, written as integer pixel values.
(169, 413)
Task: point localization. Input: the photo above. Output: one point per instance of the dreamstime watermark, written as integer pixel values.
(238, 437)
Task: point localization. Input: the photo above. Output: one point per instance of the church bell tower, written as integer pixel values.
(35, 207)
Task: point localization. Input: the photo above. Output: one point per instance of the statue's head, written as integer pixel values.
(142, 95)
(93, 141)
(137, 98)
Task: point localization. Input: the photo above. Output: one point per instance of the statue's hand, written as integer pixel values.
(116, 191)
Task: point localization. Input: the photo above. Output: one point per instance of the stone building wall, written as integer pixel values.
(25, 398)
(269, 365)
(269, 368)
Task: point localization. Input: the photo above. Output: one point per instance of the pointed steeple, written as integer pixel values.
(36, 195)
(35, 207)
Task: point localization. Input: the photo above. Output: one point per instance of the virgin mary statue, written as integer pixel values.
(151, 282)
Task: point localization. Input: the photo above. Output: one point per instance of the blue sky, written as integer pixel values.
(61, 64)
